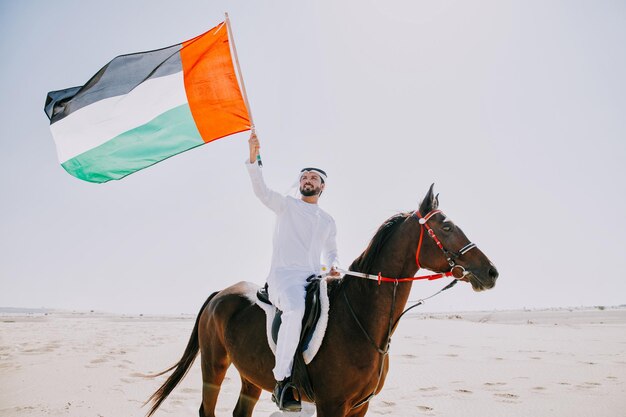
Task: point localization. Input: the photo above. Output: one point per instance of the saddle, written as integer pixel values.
(312, 311)
(314, 323)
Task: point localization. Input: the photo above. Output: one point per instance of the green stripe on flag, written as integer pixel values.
(168, 134)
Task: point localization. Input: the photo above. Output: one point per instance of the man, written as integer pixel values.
(303, 232)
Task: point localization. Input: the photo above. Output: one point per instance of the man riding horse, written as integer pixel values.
(351, 364)
(303, 232)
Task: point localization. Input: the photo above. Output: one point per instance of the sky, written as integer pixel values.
(515, 110)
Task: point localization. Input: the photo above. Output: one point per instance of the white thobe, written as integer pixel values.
(302, 234)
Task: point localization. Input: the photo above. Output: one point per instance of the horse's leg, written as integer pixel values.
(331, 410)
(248, 398)
(340, 410)
(359, 412)
(215, 363)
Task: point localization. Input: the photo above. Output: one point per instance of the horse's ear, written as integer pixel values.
(430, 202)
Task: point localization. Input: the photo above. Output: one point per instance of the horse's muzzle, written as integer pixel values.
(482, 282)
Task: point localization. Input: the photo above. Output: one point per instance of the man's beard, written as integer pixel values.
(309, 192)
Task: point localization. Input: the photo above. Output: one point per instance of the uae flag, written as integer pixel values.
(142, 108)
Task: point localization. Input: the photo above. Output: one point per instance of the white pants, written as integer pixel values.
(289, 296)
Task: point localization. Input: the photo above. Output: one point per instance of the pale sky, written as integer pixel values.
(516, 110)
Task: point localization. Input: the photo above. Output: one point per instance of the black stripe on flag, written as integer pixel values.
(118, 77)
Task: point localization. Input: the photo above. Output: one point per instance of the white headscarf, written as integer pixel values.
(294, 189)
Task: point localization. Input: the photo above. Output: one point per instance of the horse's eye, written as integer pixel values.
(446, 228)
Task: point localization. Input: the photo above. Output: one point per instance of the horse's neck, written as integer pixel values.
(379, 296)
(373, 303)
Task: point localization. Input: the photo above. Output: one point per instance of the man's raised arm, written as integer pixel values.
(273, 200)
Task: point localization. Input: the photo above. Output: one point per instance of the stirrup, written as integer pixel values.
(283, 396)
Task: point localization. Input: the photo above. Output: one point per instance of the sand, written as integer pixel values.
(561, 362)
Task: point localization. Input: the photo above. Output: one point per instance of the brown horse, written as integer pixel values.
(352, 363)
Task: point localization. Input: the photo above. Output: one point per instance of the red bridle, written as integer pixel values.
(424, 224)
(456, 271)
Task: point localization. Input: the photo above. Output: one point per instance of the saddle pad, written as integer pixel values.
(270, 312)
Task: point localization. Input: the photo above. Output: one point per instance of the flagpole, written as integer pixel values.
(243, 85)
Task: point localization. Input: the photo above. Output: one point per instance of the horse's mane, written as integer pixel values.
(364, 262)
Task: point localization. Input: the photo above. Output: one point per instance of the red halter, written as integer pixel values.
(456, 271)
(424, 223)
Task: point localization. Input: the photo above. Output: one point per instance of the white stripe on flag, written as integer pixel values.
(103, 120)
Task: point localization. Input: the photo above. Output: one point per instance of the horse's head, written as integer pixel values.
(444, 247)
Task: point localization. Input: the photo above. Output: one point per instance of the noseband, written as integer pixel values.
(457, 270)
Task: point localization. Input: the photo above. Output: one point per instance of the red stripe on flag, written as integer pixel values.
(213, 93)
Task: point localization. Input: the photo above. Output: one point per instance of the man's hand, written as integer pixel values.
(334, 273)
(254, 147)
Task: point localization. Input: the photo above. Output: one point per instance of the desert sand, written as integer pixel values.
(559, 362)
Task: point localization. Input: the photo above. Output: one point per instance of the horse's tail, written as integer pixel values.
(180, 368)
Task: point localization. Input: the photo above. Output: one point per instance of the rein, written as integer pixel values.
(456, 271)
(380, 278)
